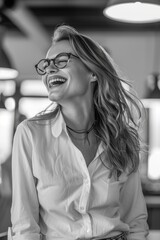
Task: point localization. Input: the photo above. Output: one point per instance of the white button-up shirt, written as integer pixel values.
(56, 196)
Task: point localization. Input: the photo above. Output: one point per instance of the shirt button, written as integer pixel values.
(82, 208)
(87, 192)
(86, 180)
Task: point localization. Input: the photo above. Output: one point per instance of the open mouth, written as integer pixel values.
(56, 81)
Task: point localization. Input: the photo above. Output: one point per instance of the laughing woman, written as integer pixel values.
(75, 168)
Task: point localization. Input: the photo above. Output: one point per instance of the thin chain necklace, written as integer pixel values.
(86, 132)
(82, 131)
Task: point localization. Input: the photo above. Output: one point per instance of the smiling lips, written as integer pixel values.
(56, 80)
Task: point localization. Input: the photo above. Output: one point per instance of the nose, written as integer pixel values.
(51, 69)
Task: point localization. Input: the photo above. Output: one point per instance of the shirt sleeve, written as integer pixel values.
(25, 206)
(133, 207)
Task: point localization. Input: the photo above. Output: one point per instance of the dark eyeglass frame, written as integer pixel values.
(53, 60)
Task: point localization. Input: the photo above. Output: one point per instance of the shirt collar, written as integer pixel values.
(58, 125)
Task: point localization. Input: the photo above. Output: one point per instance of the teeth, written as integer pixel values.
(56, 80)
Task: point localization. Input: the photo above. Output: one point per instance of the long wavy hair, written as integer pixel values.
(117, 110)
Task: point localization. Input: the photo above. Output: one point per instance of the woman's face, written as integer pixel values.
(69, 83)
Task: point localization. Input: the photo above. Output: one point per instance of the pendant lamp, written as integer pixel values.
(133, 11)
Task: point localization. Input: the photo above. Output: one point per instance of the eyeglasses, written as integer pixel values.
(59, 62)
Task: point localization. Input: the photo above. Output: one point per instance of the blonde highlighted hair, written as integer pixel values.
(115, 124)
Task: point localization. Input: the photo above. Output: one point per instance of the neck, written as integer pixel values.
(79, 116)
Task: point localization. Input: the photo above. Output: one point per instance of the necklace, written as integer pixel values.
(82, 131)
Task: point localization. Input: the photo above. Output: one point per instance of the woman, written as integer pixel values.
(75, 168)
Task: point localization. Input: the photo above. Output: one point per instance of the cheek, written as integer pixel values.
(81, 76)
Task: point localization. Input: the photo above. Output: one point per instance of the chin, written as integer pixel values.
(55, 97)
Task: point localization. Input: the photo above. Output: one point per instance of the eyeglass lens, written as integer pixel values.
(59, 62)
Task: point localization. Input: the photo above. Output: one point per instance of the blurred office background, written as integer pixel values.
(26, 28)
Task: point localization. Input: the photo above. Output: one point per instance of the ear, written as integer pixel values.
(93, 77)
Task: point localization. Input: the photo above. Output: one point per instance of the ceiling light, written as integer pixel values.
(146, 11)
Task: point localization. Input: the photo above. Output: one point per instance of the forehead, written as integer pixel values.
(59, 47)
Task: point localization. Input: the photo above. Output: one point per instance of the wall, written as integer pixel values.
(134, 53)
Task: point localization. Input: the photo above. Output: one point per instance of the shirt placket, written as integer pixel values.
(83, 202)
(83, 206)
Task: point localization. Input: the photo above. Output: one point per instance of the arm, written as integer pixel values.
(133, 207)
(25, 206)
